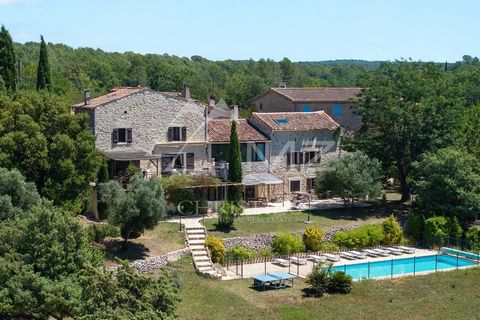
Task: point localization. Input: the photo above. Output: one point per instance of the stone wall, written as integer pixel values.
(152, 263)
(260, 242)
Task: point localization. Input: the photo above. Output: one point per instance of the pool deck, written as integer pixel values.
(255, 269)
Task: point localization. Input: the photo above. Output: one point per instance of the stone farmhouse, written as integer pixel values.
(338, 103)
(165, 133)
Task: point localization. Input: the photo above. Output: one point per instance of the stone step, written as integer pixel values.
(203, 264)
(194, 229)
(201, 258)
(196, 242)
(200, 253)
(196, 236)
(197, 247)
(206, 269)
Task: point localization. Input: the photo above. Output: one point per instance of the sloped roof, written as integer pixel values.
(115, 94)
(295, 121)
(318, 94)
(219, 131)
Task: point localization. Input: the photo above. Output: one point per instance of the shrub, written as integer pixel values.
(472, 236)
(454, 229)
(416, 226)
(318, 280)
(286, 243)
(178, 191)
(216, 248)
(329, 247)
(366, 236)
(265, 252)
(97, 232)
(241, 253)
(313, 238)
(392, 232)
(227, 213)
(340, 282)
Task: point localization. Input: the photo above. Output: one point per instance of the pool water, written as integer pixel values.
(403, 266)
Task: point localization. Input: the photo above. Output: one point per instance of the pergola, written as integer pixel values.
(265, 179)
(133, 156)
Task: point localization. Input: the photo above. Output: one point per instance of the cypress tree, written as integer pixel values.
(44, 78)
(234, 166)
(8, 62)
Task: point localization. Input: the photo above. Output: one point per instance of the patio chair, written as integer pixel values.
(394, 251)
(347, 255)
(331, 257)
(370, 253)
(315, 258)
(383, 253)
(358, 254)
(406, 249)
(281, 262)
(297, 260)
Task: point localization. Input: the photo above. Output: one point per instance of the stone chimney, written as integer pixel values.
(211, 101)
(86, 97)
(234, 112)
(186, 91)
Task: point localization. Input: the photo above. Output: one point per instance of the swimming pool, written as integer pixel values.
(387, 268)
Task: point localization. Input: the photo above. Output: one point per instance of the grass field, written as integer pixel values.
(165, 237)
(294, 221)
(444, 295)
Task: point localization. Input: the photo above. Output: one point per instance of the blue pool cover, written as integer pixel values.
(394, 267)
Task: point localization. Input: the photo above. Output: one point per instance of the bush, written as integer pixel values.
(340, 282)
(227, 213)
(313, 238)
(241, 253)
(216, 248)
(454, 229)
(286, 243)
(416, 226)
(439, 229)
(178, 191)
(472, 236)
(392, 232)
(318, 280)
(329, 247)
(99, 231)
(366, 236)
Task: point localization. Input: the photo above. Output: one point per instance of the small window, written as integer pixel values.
(177, 134)
(307, 108)
(122, 135)
(294, 185)
(259, 152)
(337, 110)
(261, 106)
(281, 121)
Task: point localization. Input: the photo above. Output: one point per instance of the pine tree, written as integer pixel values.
(234, 166)
(8, 62)
(44, 78)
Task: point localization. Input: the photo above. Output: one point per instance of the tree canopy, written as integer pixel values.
(8, 61)
(353, 176)
(44, 77)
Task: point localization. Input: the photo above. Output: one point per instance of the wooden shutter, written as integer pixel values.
(166, 160)
(184, 133)
(129, 135)
(170, 134)
(115, 136)
(300, 157)
(309, 183)
(307, 157)
(288, 159)
(190, 161)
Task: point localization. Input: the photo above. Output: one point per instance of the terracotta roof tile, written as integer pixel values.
(295, 121)
(219, 131)
(115, 94)
(318, 94)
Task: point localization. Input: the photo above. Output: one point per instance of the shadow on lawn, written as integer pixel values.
(220, 228)
(133, 251)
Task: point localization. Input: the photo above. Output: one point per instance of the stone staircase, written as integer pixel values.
(196, 242)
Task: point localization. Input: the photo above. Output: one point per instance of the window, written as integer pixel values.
(337, 110)
(258, 152)
(294, 185)
(177, 134)
(307, 108)
(308, 157)
(122, 135)
(261, 106)
(173, 161)
(310, 184)
(281, 121)
(220, 152)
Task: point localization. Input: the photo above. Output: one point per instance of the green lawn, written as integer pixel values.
(294, 221)
(444, 295)
(165, 237)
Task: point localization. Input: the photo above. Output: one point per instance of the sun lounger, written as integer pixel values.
(371, 253)
(281, 262)
(331, 257)
(358, 254)
(406, 249)
(394, 251)
(347, 255)
(297, 260)
(315, 258)
(383, 253)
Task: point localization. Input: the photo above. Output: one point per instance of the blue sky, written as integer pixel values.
(299, 29)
